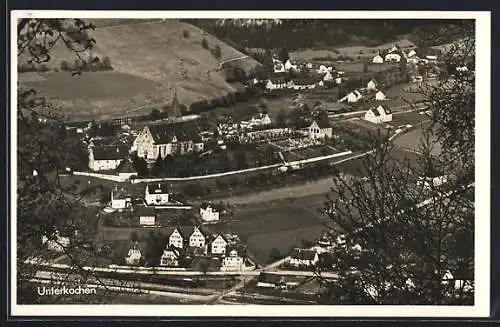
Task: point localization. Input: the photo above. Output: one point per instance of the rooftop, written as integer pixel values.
(110, 152)
(183, 131)
(303, 254)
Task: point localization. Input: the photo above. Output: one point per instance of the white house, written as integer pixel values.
(219, 244)
(393, 57)
(462, 69)
(198, 238)
(380, 96)
(431, 58)
(322, 69)
(232, 262)
(120, 199)
(379, 115)
(178, 238)
(352, 97)
(170, 257)
(372, 85)
(147, 216)
(411, 54)
(207, 213)
(278, 66)
(156, 194)
(134, 254)
(320, 129)
(303, 257)
(328, 77)
(57, 244)
(106, 157)
(289, 66)
(378, 59)
(256, 121)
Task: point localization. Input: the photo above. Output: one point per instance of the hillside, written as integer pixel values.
(148, 58)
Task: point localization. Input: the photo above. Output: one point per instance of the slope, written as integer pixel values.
(155, 56)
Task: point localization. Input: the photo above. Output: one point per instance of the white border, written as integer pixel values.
(481, 306)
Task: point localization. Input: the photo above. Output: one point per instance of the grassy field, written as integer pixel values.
(413, 141)
(402, 94)
(412, 118)
(155, 53)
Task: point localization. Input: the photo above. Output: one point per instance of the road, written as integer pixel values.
(229, 60)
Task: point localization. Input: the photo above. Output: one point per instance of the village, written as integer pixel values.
(145, 224)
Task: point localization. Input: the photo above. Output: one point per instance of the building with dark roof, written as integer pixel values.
(157, 194)
(303, 257)
(107, 157)
(166, 139)
(147, 216)
(320, 129)
(380, 114)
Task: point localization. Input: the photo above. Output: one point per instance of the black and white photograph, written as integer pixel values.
(259, 164)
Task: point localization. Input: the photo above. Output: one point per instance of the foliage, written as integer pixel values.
(185, 34)
(204, 44)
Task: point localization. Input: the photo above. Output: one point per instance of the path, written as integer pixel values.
(229, 60)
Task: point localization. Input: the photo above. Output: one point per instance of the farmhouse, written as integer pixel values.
(328, 77)
(320, 129)
(207, 213)
(372, 85)
(352, 97)
(147, 216)
(379, 115)
(170, 257)
(120, 199)
(168, 139)
(219, 244)
(303, 257)
(135, 254)
(393, 57)
(278, 66)
(289, 66)
(378, 59)
(57, 243)
(106, 157)
(232, 262)
(156, 194)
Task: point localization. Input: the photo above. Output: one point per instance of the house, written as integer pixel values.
(147, 216)
(304, 83)
(378, 59)
(219, 244)
(372, 85)
(380, 96)
(198, 238)
(57, 243)
(126, 170)
(120, 199)
(207, 213)
(352, 97)
(107, 157)
(135, 254)
(328, 77)
(79, 127)
(393, 57)
(303, 257)
(165, 139)
(278, 66)
(289, 66)
(379, 115)
(170, 257)
(178, 238)
(431, 58)
(232, 262)
(157, 194)
(322, 69)
(320, 129)
(411, 54)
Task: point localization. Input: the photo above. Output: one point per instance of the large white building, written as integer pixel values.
(120, 199)
(157, 194)
(320, 129)
(303, 258)
(208, 214)
(219, 244)
(232, 262)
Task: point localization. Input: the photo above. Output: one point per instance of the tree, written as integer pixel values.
(43, 202)
(158, 166)
(284, 55)
(400, 233)
(274, 255)
(155, 114)
(217, 52)
(106, 63)
(281, 118)
(204, 44)
(185, 34)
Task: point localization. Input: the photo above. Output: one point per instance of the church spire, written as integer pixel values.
(176, 108)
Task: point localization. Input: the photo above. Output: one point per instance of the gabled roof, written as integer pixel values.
(183, 131)
(119, 193)
(323, 123)
(385, 109)
(126, 167)
(375, 112)
(171, 248)
(221, 235)
(145, 212)
(373, 80)
(303, 254)
(185, 231)
(157, 188)
(118, 152)
(141, 246)
(271, 278)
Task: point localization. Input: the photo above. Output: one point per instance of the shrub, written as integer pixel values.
(185, 33)
(64, 65)
(204, 43)
(216, 52)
